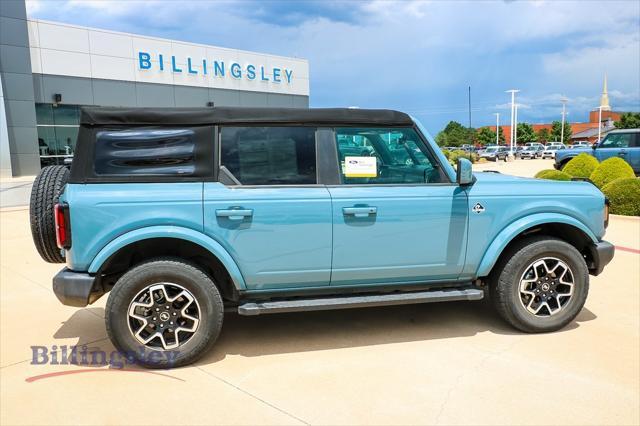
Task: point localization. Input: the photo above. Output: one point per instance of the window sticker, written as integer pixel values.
(360, 167)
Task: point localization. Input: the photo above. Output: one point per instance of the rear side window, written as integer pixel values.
(145, 152)
(270, 155)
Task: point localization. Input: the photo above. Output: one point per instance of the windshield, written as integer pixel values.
(492, 149)
(443, 160)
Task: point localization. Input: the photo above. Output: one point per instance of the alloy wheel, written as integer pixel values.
(163, 316)
(546, 286)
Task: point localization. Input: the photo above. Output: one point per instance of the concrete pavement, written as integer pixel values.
(449, 363)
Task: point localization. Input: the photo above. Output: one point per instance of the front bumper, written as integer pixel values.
(601, 254)
(76, 288)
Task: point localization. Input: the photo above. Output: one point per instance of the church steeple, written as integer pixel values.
(604, 99)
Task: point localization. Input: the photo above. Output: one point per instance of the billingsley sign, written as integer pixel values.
(214, 68)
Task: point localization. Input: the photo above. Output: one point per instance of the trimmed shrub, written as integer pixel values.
(446, 153)
(454, 155)
(624, 196)
(581, 166)
(610, 170)
(551, 174)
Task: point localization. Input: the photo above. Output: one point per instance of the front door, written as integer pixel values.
(396, 216)
(271, 216)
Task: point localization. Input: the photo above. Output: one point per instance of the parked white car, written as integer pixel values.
(551, 149)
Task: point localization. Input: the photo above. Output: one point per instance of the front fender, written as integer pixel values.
(505, 236)
(171, 232)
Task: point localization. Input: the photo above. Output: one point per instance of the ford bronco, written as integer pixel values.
(185, 214)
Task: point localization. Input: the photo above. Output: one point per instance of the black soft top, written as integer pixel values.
(92, 116)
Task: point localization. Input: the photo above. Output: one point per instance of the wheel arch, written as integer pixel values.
(161, 241)
(560, 226)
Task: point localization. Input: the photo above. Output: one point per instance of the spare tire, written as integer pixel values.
(46, 189)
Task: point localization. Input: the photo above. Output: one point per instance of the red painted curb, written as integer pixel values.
(627, 249)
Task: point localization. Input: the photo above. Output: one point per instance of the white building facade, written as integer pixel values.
(49, 70)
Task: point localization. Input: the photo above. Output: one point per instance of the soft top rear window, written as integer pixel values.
(145, 152)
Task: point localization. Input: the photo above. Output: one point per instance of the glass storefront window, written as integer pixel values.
(57, 132)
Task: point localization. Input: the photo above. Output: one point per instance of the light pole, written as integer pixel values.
(599, 122)
(497, 114)
(515, 129)
(513, 100)
(564, 111)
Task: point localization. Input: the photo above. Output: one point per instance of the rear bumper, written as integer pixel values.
(601, 252)
(75, 288)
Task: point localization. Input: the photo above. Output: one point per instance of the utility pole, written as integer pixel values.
(497, 114)
(470, 134)
(513, 101)
(564, 111)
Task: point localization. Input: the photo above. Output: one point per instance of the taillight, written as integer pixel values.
(606, 212)
(63, 231)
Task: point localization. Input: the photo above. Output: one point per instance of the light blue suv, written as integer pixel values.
(623, 143)
(185, 214)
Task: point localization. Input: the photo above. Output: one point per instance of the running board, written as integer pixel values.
(345, 302)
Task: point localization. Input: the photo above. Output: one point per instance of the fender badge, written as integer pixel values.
(478, 208)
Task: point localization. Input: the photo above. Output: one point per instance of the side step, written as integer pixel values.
(345, 302)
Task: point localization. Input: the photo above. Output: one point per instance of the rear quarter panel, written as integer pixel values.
(102, 212)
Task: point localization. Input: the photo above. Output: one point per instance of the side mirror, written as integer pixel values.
(594, 146)
(464, 174)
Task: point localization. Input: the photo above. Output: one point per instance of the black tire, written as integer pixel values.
(47, 187)
(505, 280)
(165, 270)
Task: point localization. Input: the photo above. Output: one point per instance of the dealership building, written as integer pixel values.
(49, 70)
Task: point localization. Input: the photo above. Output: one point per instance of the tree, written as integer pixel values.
(455, 134)
(544, 135)
(486, 136)
(526, 133)
(628, 120)
(556, 130)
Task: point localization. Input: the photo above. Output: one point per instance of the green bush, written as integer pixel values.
(581, 166)
(624, 196)
(454, 155)
(551, 174)
(446, 153)
(610, 170)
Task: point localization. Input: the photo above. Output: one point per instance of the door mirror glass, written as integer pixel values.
(464, 175)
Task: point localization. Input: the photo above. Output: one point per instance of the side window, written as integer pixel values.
(146, 152)
(270, 155)
(617, 140)
(385, 156)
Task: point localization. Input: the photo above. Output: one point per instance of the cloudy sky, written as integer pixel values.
(416, 56)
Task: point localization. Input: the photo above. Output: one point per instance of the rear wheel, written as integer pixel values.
(46, 189)
(540, 285)
(165, 313)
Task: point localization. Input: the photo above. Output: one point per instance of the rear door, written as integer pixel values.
(396, 216)
(633, 156)
(268, 210)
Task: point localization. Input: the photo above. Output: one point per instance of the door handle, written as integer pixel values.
(622, 153)
(359, 211)
(234, 214)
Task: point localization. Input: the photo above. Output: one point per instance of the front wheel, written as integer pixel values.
(164, 313)
(540, 285)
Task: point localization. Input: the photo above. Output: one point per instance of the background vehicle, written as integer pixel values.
(532, 151)
(581, 144)
(550, 150)
(623, 143)
(495, 153)
(184, 214)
